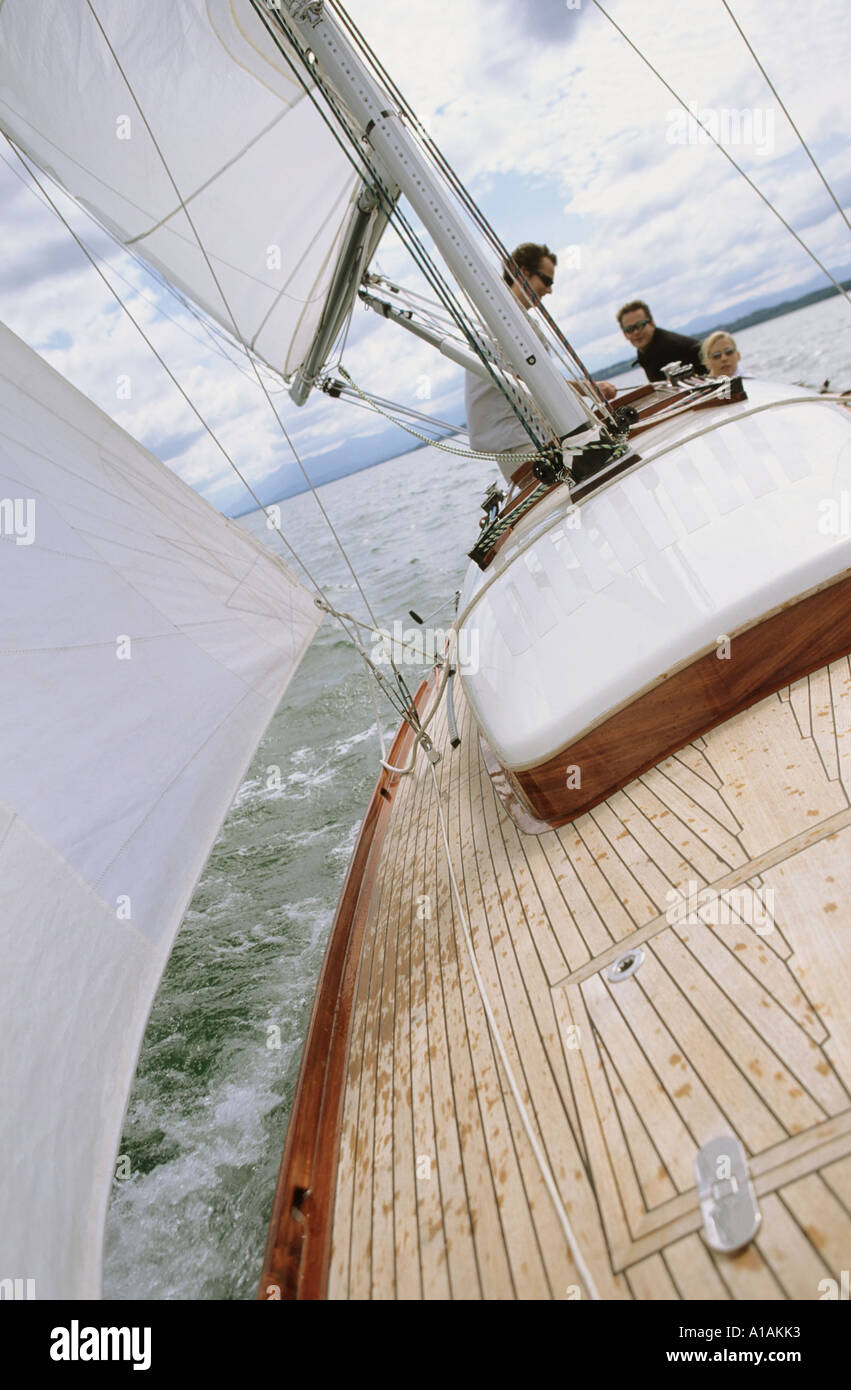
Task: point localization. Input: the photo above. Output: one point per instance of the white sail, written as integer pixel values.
(145, 643)
(269, 188)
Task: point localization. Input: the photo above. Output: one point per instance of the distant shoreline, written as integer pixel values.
(771, 311)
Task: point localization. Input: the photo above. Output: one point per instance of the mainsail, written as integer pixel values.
(269, 188)
(145, 643)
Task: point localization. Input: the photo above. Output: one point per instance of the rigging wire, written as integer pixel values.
(424, 261)
(423, 135)
(219, 340)
(321, 600)
(98, 269)
(785, 111)
(430, 318)
(726, 153)
(399, 677)
(421, 302)
(410, 240)
(461, 192)
(365, 169)
(372, 401)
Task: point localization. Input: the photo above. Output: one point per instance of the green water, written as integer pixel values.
(208, 1112)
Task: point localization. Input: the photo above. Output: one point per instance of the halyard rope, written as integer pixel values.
(540, 1157)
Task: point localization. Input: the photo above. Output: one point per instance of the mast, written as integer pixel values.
(386, 133)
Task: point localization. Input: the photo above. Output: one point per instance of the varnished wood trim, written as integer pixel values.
(775, 652)
(299, 1243)
(646, 422)
(635, 393)
(505, 790)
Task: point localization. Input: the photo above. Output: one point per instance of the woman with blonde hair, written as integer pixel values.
(719, 354)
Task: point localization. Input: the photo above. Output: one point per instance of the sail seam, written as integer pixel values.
(132, 241)
(180, 772)
(401, 697)
(56, 854)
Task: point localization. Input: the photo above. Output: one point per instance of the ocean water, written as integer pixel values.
(207, 1117)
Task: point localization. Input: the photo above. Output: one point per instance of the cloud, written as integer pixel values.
(555, 125)
(549, 21)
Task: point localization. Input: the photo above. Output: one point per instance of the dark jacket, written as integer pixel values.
(668, 347)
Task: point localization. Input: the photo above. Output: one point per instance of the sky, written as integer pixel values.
(563, 136)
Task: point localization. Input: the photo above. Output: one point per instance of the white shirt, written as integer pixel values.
(492, 426)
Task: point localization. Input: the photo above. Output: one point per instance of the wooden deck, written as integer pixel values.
(436, 1189)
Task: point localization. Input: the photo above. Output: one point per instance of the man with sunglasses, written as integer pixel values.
(656, 347)
(492, 426)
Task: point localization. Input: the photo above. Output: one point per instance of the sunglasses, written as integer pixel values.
(546, 279)
(634, 327)
(722, 352)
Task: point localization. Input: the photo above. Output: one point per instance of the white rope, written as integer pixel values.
(438, 443)
(541, 1159)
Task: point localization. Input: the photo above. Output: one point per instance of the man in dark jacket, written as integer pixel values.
(656, 347)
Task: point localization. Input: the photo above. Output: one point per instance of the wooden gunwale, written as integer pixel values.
(437, 1193)
(772, 653)
(298, 1245)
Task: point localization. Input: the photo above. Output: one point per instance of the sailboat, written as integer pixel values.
(580, 1031)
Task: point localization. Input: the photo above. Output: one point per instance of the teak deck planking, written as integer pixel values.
(433, 1188)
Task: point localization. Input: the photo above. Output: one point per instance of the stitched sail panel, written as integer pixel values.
(145, 643)
(266, 184)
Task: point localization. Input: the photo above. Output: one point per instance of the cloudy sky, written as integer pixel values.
(562, 135)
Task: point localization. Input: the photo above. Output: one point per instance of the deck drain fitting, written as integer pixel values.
(625, 965)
